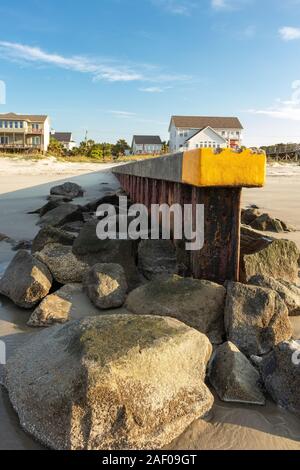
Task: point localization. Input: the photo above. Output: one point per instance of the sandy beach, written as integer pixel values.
(24, 187)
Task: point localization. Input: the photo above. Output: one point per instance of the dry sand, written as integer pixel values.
(24, 186)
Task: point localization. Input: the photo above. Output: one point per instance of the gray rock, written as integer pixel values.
(61, 215)
(55, 308)
(52, 204)
(290, 293)
(59, 198)
(106, 285)
(73, 227)
(26, 281)
(266, 256)
(267, 223)
(249, 215)
(156, 258)
(281, 375)
(199, 304)
(256, 319)
(91, 250)
(234, 377)
(49, 235)
(71, 190)
(114, 382)
(65, 267)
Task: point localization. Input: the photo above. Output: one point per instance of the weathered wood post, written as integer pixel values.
(204, 176)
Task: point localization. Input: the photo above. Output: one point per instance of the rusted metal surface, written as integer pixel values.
(218, 260)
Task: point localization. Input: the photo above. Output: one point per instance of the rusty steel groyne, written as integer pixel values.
(212, 178)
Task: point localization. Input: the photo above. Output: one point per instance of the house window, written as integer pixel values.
(35, 126)
(16, 124)
(11, 124)
(238, 133)
(223, 133)
(4, 140)
(21, 125)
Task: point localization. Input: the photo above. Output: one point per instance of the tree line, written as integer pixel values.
(90, 149)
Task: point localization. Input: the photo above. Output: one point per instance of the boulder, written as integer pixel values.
(280, 371)
(70, 190)
(73, 227)
(290, 293)
(26, 281)
(156, 258)
(249, 215)
(199, 304)
(55, 308)
(49, 235)
(111, 198)
(66, 304)
(106, 285)
(261, 255)
(61, 215)
(112, 382)
(65, 267)
(266, 223)
(59, 198)
(234, 377)
(3, 237)
(256, 319)
(91, 250)
(52, 204)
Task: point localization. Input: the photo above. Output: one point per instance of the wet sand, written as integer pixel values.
(228, 426)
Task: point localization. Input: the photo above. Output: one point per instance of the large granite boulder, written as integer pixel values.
(26, 281)
(256, 319)
(68, 189)
(112, 382)
(265, 256)
(61, 215)
(280, 371)
(49, 235)
(106, 285)
(91, 250)
(234, 377)
(49, 206)
(156, 258)
(199, 304)
(290, 293)
(65, 267)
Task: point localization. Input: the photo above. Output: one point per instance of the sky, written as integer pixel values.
(116, 68)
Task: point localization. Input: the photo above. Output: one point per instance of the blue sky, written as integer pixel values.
(123, 67)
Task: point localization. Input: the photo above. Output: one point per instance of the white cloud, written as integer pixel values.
(228, 4)
(175, 7)
(289, 109)
(154, 89)
(288, 33)
(108, 70)
(124, 114)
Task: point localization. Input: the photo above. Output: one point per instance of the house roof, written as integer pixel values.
(201, 130)
(62, 136)
(25, 117)
(147, 139)
(200, 122)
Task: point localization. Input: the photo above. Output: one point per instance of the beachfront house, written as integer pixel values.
(24, 132)
(192, 132)
(146, 145)
(65, 138)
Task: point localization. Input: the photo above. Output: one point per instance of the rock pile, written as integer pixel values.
(127, 368)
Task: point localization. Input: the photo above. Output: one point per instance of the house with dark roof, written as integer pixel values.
(192, 132)
(146, 144)
(65, 138)
(24, 132)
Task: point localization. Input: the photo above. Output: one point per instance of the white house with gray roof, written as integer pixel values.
(192, 132)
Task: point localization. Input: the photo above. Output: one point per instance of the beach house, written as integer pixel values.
(24, 132)
(146, 144)
(192, 132)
